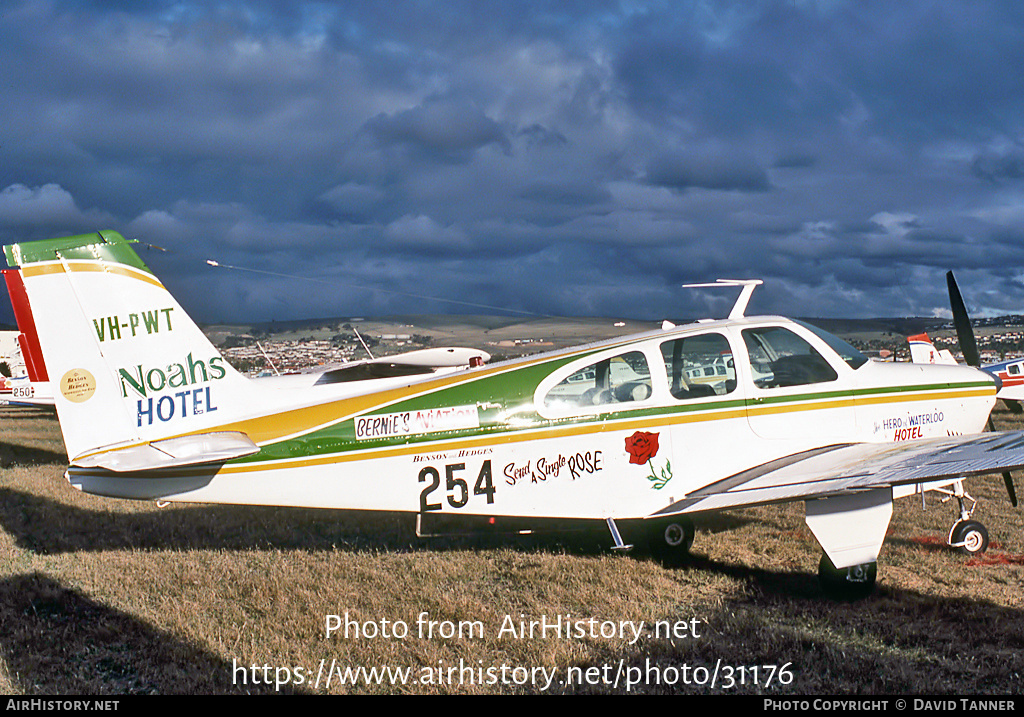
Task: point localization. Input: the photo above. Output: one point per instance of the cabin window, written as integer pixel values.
(778, 358)
(853, 358)
(1015, 369)
(699, 366)
(624, 378)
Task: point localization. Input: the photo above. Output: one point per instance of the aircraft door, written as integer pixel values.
(704, 396)
(794, 393)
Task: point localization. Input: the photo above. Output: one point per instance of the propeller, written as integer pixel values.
(969, 348)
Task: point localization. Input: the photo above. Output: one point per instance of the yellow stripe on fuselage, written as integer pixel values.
(594, 427)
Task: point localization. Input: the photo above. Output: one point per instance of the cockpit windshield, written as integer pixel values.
(853, 358)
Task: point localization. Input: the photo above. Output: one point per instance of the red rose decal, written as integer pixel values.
(641, 447)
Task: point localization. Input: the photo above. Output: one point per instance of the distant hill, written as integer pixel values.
(901, 326)
(509, 335)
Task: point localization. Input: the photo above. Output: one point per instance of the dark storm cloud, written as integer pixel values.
(996, 165)
(551, 157)
(721, 171)
(440, 129)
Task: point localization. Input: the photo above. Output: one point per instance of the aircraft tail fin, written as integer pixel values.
(28, 338)
(922, 350)
(129, 369)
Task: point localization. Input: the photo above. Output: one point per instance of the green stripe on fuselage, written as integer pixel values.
(509, 395)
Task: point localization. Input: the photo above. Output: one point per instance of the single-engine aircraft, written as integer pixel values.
(615, 431)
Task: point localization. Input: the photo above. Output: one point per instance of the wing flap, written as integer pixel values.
(840, 469)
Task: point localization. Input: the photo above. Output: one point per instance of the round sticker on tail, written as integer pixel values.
(77, 385)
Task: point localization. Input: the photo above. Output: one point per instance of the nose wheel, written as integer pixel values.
(968, 536)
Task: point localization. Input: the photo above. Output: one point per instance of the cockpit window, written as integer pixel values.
(619, 379)
(778, 358)
(699, 366)
(854, 358)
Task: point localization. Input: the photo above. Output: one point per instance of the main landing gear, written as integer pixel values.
(668, 540)
(852, 583)
(671, 539)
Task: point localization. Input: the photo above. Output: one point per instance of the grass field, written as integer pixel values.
(103, 596)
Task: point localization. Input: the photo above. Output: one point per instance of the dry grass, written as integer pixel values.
(102, 596)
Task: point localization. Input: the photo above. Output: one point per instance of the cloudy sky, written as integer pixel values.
(568, 158)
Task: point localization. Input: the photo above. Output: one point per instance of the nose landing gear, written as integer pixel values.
(969, 537)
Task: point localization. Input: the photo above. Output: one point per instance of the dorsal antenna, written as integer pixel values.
(744, 298)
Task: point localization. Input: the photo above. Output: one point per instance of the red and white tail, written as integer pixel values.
(922, 350)
(33, 389)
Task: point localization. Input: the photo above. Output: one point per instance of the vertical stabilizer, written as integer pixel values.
(126, 364)
(28, 338)
(922, 350)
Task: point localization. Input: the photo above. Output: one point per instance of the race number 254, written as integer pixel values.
(456, 487)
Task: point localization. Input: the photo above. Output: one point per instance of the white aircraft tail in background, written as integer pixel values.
(1009, 374)
(32, 386)
(922, 350)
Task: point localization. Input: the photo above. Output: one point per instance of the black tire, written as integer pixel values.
(671, 540)
(969, 537)
(852, 583)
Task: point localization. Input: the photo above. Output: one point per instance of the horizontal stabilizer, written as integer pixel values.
(199, 449)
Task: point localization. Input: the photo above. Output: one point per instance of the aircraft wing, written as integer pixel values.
(847, 468)
(411, 363)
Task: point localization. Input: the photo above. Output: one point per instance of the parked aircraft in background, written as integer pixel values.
(150, 410)
(29, 384)
(1010, 373)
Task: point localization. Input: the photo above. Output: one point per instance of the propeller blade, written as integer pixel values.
(962, 322)
(1010, 491)
(1007, 478)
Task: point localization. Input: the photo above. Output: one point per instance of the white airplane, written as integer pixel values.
(29, 385)
(150, 410)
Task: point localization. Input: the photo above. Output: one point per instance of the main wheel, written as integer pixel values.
(852, 583)
(671, 540)
(969, 537)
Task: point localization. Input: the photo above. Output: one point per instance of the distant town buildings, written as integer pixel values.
(998, 339)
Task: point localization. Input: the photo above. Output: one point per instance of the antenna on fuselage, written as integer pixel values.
(744, 298)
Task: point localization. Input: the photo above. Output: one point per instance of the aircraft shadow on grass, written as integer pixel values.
(50, 527)
(55, 640)
(47, 527)
(12, 454)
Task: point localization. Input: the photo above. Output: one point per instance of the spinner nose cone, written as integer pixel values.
(995, 377)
